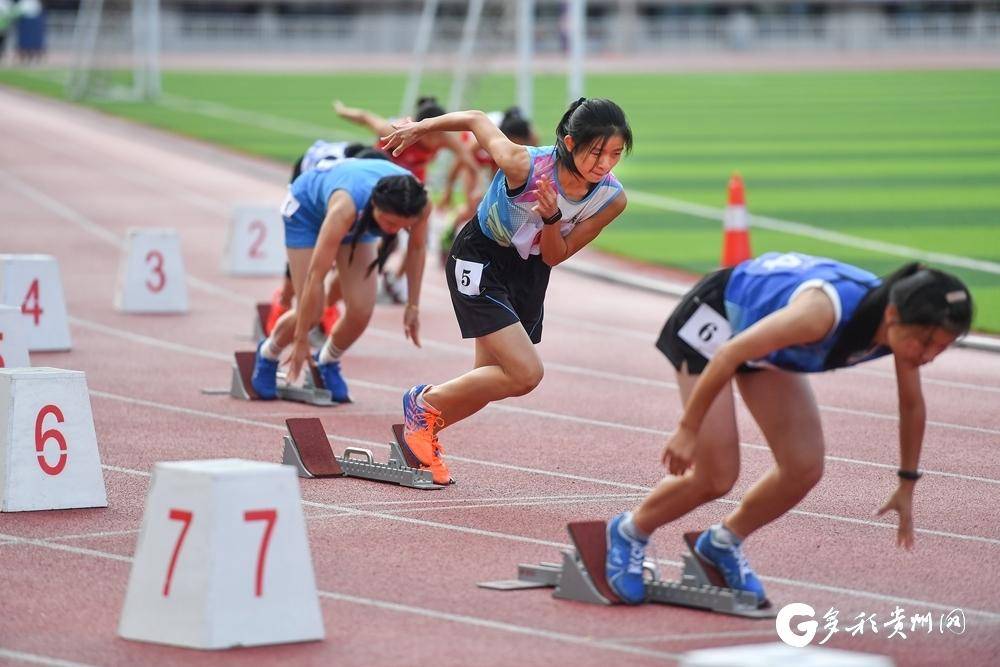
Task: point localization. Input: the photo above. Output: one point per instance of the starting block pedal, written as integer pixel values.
(308, 450)
(581, 577)
(261, 312)
(312, 392)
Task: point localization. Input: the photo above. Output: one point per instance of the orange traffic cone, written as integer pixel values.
(736, 234)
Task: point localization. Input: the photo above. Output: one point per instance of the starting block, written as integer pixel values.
(261, 312)
(312, 392)
(222, 559)
(308, 450)
(581, 577)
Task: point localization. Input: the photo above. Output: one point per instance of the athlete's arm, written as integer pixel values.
(807, 319)
(556, 248)
(912, 420)
(416, 253)
(340, 215)
(372, 121)
(510, 157)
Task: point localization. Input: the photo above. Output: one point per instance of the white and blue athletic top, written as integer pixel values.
(312, 190)
(509, 220)
(761, 286)
(323, 150)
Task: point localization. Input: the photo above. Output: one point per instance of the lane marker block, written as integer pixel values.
(781, 655)
(255, 243)
(151, 275)
(48, 448)
(581, 577)
(222, 559)
(13, 338)
(309, 451)
(32, 283)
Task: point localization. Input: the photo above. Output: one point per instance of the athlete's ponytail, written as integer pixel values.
(402, 195)
(587, 121)
(428, 107)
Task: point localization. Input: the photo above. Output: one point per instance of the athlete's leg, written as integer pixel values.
(284, 329)
(507, 365)
(358, 288)
(785, 409)
(716, 464)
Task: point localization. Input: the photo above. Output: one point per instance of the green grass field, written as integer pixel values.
(909, 158)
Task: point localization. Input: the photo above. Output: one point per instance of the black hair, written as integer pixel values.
(402, 195)
(514, 125)
(352, 149)
(587, 121)
(931, 297)
(428, 107)
(369, 153)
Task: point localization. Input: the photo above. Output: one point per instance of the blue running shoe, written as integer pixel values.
(265, 375)
(333, 380)
(623, 565)
(730, 561)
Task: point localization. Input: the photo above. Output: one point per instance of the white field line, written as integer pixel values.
(493, 464)
(186, 349)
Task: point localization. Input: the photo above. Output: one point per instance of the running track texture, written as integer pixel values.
(396, 568)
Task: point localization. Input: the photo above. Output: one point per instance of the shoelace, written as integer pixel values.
(742, 562)
(636, 556)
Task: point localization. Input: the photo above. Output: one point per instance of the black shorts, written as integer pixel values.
(707, 329)
(492, 287)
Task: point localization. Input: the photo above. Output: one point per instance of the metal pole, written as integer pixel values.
(465, 49)
(420, 48)
(525, 51)
(577, 42)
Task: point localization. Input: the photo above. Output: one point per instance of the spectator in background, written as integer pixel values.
(8, 14)
(30, 31)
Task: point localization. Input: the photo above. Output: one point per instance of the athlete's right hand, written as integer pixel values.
(406, 133)
(298, 359)
(679, 453)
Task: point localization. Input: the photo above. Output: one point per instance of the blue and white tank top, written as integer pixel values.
(761, 286)
(323, 150)
(510, 221)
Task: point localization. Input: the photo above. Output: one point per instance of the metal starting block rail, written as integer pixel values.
(581, 577)
(308, 450)
(312, 392)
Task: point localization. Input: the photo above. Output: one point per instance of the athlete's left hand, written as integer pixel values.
(411, 323)
(902, 501)
(406, 133)
(546, 203)
(298, 359)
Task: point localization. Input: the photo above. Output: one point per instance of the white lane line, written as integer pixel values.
(36, 659)
(494, 464)
(809, 231)
(698, 636)
(86, 536)
(589, 642)
(80, 551)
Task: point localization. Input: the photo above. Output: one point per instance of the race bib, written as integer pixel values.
(705, 331)
(289, 206)
(467, 276)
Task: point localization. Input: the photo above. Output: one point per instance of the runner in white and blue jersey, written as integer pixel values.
(544, 204)
(767, 322)
(334, 216)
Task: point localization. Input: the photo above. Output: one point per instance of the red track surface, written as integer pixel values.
(396, 568)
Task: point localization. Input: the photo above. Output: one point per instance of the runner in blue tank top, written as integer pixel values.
(545, 203)
(767, 322)
(334, 216)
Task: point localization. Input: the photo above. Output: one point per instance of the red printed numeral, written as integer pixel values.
(156, 257)
(1, 356)
(177, 515)
(41, 437)
(32, 295)
(261, 229)
(269, 515)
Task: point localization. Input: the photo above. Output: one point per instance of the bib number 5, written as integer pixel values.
(468, 276)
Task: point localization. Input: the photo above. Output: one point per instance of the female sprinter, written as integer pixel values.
(788, 314)
(334, 215)
(543, 205)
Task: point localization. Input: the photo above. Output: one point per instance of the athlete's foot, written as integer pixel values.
(420, 421)
(623, 563)
(333, 381)
(729, 560)
(265, 375)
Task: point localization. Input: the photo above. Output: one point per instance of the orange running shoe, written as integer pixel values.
(330, 316)
(419, 423)
(277, 310)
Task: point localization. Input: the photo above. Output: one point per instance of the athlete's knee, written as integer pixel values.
(358, 315)
(718, 482)
(524, 378)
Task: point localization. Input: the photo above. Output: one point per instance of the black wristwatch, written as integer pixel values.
(911, 475)
(553, 219)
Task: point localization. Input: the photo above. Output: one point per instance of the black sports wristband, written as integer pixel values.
(911, 475)
(553, 219)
